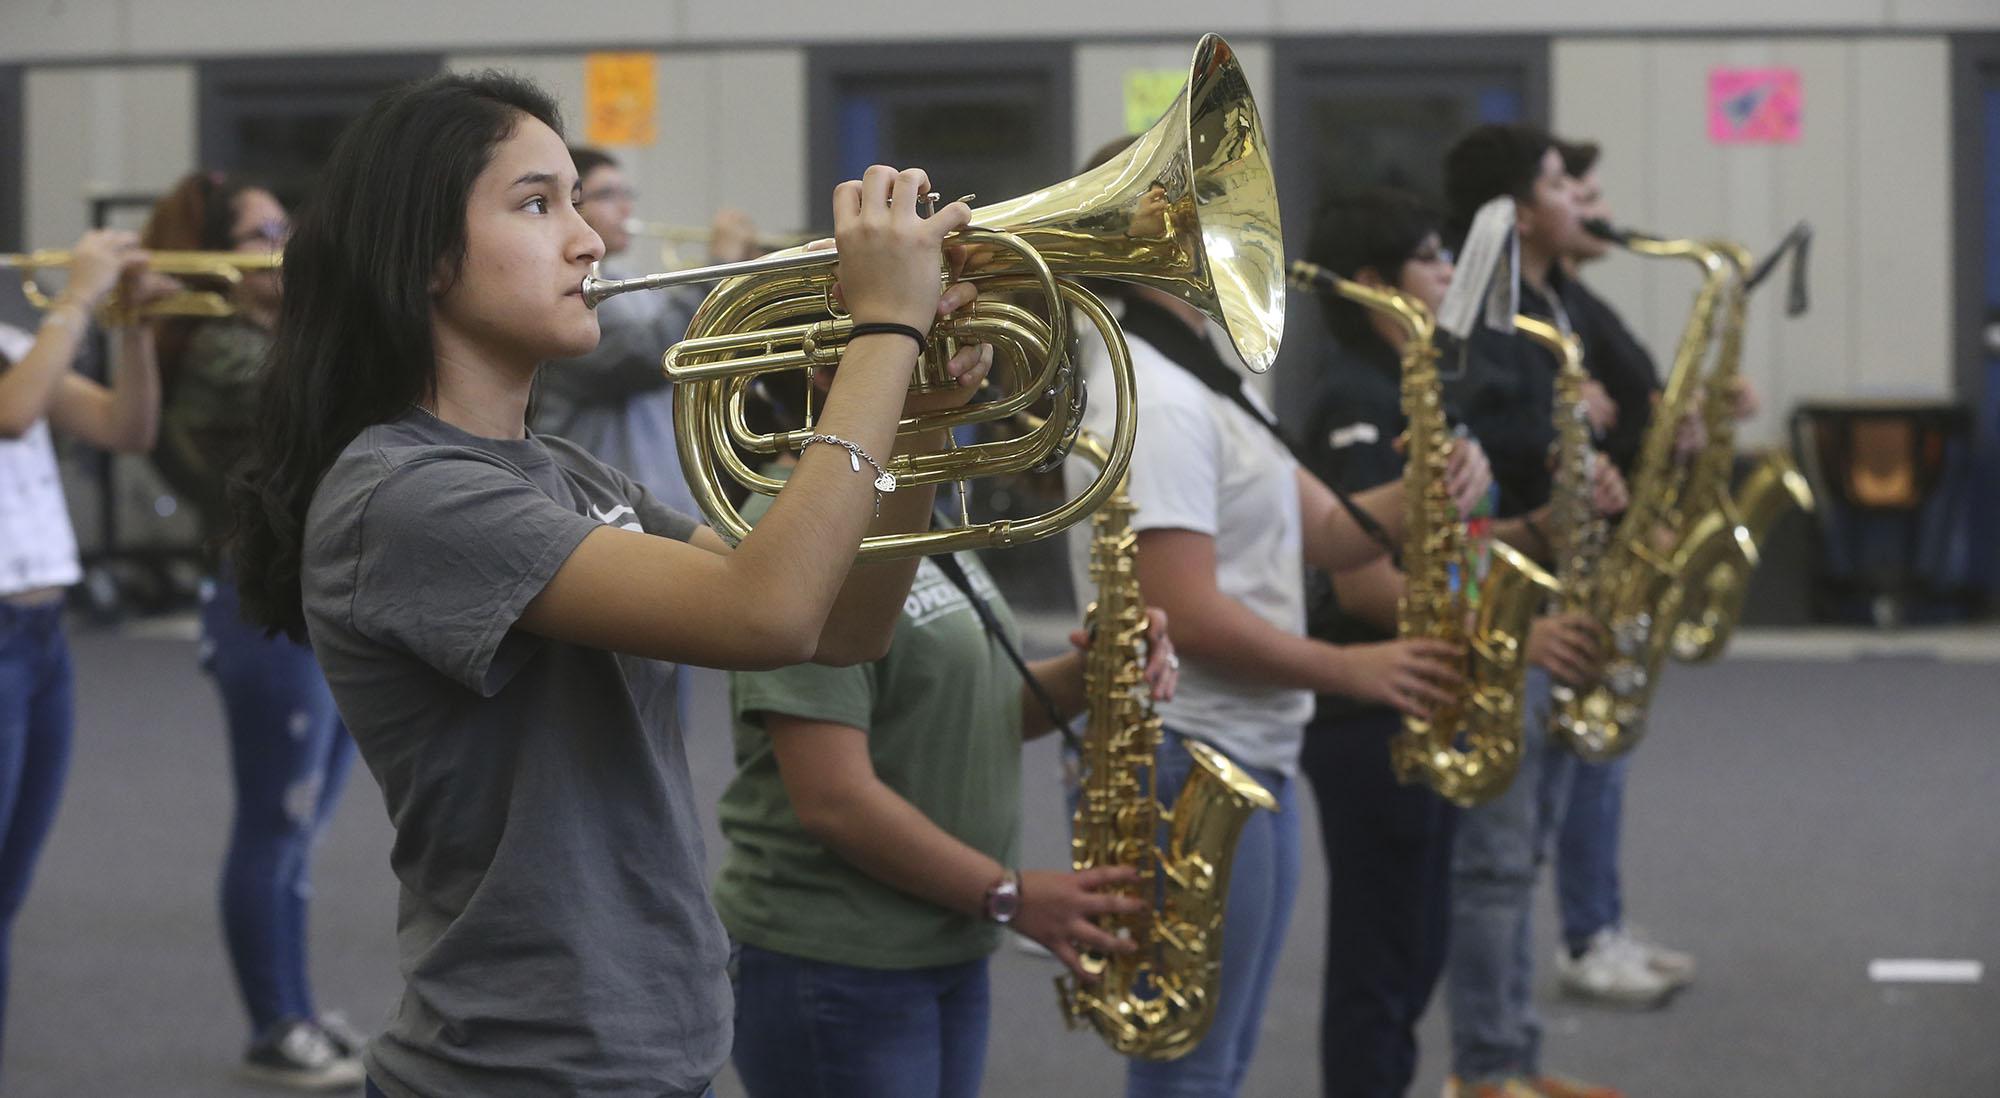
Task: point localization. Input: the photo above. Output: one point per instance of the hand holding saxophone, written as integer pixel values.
(1163, 665)
(1411, 675)
(1057, 909)
(1569, 646)
(1608, 495)
(1467, 474)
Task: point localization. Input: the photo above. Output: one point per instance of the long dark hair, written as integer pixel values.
(353, 343)
(196, 215)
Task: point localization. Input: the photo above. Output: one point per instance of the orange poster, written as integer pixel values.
(618, 98)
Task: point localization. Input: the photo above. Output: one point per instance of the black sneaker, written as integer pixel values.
(300, 1055)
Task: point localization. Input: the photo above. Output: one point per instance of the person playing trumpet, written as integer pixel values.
(38, 554)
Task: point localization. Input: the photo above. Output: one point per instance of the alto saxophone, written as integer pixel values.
(1721, 547)
(1638, 592)
(1156, 1002)
(1577, 534)
(1468, 749)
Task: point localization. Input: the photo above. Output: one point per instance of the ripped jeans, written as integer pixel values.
(289, 756)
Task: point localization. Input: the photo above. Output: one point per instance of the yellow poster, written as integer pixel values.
(619, 94)
(1148, 93)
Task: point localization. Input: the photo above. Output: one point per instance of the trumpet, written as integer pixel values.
(674, 238)
(1190, 208)
(225, 267)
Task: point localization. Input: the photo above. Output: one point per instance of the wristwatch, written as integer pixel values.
(1003, 900)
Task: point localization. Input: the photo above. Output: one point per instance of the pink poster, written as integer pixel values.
(1754, 106)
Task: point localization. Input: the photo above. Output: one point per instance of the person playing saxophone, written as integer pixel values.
(1226, 521)
(1508, 400)
(1388, 843)
(873, 845)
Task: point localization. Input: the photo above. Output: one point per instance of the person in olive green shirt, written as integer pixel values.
(289, 753)
(873, 829)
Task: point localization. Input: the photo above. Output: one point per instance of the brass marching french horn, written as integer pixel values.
(1190, 208)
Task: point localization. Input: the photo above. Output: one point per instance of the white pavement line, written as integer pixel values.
(1948, 644)
(1923, 971)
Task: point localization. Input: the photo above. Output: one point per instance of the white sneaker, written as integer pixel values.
(1612, 971)
(297, 1054)
(1675, 965)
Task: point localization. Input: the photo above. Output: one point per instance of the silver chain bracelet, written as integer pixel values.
(885, 481)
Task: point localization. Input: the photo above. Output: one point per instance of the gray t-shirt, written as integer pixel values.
(554, 929)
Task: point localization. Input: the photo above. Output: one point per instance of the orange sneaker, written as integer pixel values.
(1555, 1086)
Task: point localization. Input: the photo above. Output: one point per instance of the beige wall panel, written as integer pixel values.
(1943, 14)
(40, 29)
(30, 30)
(208, 27)
(1645, 99)
(731, 130)
(1811, 355)
(98, 130)
(1750, 217)
(1472, 16)
(875, 20)
(1902, 211)
(1100, 91)
(1690, 195)
(1599, 90)
(732, 133)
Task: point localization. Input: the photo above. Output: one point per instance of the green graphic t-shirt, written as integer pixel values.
(943, 716)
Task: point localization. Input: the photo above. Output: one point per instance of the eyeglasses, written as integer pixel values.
(1432, 255)
(610, 194)
(273, 232)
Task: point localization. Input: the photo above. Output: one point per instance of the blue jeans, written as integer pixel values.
(1263, 881)
(812, 1029)
(1495, 1032)
(37, 715)
(1587, 890)
(289, 756)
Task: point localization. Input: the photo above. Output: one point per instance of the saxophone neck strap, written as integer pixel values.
(1192, 352)
(954, 572)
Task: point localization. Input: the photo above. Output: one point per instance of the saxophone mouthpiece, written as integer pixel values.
(1605, 230)
(1308, 275)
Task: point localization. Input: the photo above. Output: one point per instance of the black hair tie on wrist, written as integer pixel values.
(884, 327)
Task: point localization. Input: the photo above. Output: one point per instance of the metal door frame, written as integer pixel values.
(828, 66)
(217, 107)
(1522, 59)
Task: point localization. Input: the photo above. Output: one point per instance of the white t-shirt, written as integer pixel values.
(1201, 463)
(37, 546)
